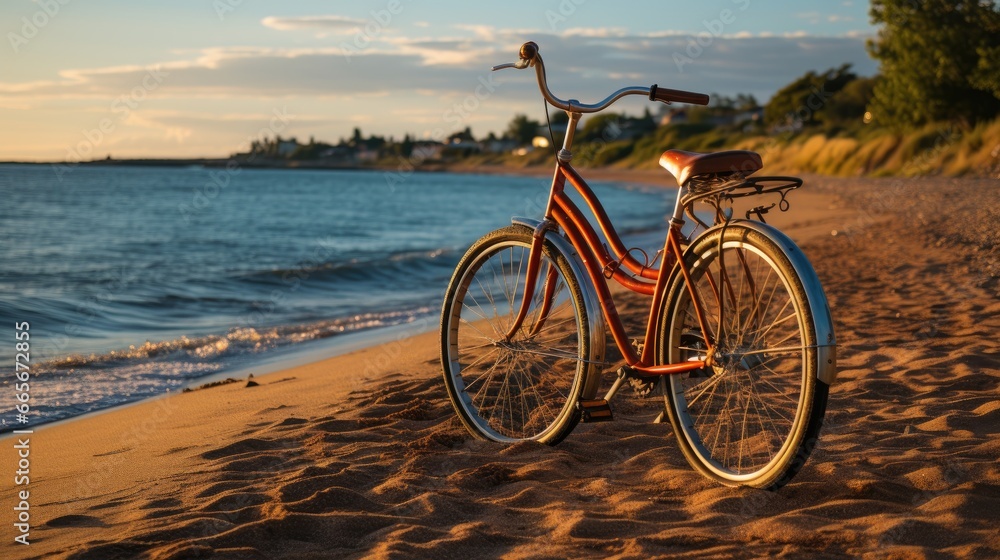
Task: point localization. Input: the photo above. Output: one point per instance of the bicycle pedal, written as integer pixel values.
(595, 410)
(642, 386)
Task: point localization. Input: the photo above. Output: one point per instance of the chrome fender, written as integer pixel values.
(595, 316)
(826, 340)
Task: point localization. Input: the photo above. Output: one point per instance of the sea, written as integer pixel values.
(140, 281)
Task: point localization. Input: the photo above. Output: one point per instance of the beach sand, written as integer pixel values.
(362, 455)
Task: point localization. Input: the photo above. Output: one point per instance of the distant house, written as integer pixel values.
(287, 147)
(630, 129)
(673, 115)
(366, 154)
(463, 146)
(427, 150)
(498, 146)
(338, 154)
(751, 116)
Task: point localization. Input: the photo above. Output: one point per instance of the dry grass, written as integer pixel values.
(937, 149)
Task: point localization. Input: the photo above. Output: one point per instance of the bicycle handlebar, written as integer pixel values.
(528, 56)
(667, 95)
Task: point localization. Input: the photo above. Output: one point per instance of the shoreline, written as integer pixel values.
(283, 359)
(360, 453)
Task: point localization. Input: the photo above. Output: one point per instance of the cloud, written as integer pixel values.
(313, 23)
(582, 64)
(816, 17)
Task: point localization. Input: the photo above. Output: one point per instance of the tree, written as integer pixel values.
(802, 101)
(461, 136)
(406, 148)
(559, 117)
(745, 102)
(848, 105)
(938, 59)
(522, 129)
(602, 126)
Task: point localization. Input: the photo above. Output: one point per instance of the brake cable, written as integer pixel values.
(548, 122)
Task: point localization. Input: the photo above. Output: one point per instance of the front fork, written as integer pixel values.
(531, 277)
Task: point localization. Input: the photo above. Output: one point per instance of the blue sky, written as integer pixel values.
(83, 79)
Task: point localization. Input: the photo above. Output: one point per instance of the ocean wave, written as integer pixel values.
(361, 268)
(237, 341)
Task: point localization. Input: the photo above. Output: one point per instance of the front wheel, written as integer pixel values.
(753, 416)
(525, 388)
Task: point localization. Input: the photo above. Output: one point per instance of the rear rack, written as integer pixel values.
(715, 193)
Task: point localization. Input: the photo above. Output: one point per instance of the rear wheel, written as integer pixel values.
(753, 416)
(525, 388)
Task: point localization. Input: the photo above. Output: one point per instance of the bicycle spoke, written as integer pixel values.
(777, 322)
(708, 384)
(473, 326)
(739, 412)
(519, 388)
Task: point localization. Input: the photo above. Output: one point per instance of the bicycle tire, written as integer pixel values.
(542, 374)
(760, 352)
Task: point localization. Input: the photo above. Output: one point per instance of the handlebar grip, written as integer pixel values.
(668, 95)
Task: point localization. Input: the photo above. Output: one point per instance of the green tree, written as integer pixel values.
(848, 105)
(745, 102)
(406, 148)
(938, 59)
(558, 117)
(803, 101)
(522, 129)
(603, 126)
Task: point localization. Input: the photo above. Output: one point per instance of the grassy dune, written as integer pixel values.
(938, 149)
(931, 150)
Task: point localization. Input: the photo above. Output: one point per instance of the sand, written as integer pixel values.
(361, 455)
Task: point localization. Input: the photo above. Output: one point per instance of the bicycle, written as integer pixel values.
(739, 336)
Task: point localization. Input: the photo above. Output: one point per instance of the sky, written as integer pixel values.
(84, 79)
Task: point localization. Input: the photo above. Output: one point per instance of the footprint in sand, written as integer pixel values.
(75, 521)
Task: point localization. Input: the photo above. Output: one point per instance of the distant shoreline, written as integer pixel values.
(205, 162)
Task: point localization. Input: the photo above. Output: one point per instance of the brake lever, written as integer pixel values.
(520, 65)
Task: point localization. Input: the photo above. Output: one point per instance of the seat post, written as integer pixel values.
(678, 215)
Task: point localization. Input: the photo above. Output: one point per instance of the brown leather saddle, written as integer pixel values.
(686, 165)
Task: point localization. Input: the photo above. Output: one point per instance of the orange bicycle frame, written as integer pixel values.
(601, 266)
